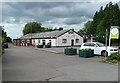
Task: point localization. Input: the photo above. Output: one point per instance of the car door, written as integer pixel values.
(89, 46)
(97, 50)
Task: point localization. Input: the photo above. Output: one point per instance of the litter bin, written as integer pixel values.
(66, 51)
(39, 46)
(81, 54)
(70, 51)
(91, 53)
(47, 46)
(86, 53)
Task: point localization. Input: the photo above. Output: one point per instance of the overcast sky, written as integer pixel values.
(51, 14)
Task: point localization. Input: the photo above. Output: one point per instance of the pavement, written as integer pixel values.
(29, 64)
(56, 50)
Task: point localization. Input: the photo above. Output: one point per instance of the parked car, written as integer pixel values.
(5, 45)
(99, 48)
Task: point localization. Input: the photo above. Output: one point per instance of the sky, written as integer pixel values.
(54, 14)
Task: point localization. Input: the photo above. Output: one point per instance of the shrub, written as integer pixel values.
(87, 49)
(114, 56)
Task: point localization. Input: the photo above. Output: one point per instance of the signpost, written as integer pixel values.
(114, 33)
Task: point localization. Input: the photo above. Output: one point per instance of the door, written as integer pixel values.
(43, 42)
(72, 42)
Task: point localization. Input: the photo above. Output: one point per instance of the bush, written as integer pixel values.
(114, 56)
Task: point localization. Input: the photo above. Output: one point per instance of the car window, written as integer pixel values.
(100, 44)
(92, 44)
(86, 44)
(89, 44)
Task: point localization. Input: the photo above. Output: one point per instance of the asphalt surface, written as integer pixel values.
(30, 64)
(0, 68)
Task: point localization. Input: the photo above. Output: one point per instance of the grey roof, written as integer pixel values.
(52, 34)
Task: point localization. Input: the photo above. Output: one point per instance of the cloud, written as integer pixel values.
(59, 0)
(13, 30)
(50, 14)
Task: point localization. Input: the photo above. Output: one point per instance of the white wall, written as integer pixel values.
(69, 37)
(53, 41)
(58, 41)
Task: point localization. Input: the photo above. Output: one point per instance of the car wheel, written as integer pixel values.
(104, 53)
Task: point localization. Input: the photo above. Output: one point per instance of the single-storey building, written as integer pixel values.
(56, 38)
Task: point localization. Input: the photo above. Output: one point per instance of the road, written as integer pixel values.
(29, 64)
(0, 68)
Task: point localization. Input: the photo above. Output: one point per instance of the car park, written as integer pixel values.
(99, 48)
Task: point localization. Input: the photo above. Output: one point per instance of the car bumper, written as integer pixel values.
(112, 52)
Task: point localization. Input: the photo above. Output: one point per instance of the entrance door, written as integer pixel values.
(43, 42)
(72, 42)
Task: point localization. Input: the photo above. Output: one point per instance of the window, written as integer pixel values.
(77, 40)
(64, 41)
(71, 32)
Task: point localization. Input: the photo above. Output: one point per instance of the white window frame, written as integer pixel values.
(77, 41)
(64, 41)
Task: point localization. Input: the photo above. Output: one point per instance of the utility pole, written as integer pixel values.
(109, 38)
(31, 34)
(106, 43)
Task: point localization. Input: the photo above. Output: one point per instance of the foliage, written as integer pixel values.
(4, 36)
(87, 49)
(60, 28)
(112, 59)
(114, 56)
(8, 39)
(32, 27)
(102, 20)
(35, 27)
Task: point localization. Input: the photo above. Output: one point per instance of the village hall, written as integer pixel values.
(58, 38)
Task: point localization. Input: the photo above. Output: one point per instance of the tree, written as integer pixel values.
(8, 39)
(87, 29)
(82, 31)
(102, 20)
(60, 28)
(32, 27)
(4, 36)
(35, 27)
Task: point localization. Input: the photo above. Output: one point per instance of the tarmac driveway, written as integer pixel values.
(30, 64)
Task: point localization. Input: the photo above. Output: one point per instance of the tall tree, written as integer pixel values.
(3, 36)
(104, 19)
(32, 27)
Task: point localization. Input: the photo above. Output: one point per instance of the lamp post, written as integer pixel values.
(31, 33)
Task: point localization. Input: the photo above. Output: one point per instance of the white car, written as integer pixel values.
(99, 48)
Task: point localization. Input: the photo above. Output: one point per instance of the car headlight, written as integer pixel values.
(111, 49)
